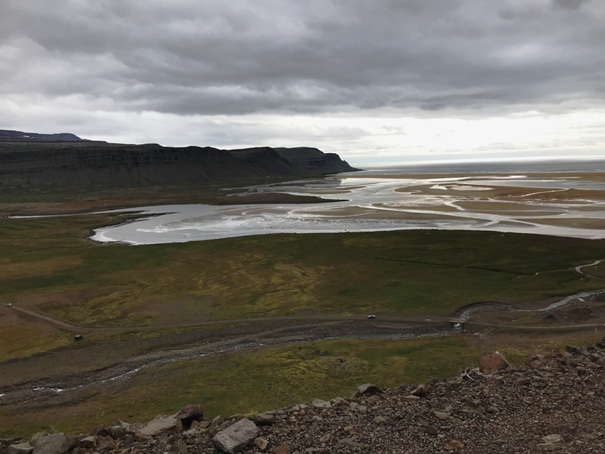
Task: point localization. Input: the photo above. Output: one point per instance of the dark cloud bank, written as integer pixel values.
(153, 70)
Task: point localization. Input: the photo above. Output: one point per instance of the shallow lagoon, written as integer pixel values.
(563, 204)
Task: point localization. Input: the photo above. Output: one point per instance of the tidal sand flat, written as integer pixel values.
(555, 203)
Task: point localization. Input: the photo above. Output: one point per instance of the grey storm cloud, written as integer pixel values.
(269, 56)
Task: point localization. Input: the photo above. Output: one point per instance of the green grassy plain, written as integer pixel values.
(49, 265)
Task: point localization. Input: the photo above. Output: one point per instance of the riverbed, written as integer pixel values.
(561, 204)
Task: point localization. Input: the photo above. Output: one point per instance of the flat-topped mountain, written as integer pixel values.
(7, 135)
(33, 161)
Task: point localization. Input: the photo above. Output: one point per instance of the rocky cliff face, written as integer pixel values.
(552, 404)
(44, 164)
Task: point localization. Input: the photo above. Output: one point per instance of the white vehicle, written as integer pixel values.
(371, 316)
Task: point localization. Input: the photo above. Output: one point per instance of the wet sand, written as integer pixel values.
(564, 204)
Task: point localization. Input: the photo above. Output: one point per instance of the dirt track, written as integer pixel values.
(64, 371)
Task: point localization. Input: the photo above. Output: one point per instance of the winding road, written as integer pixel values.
(309, 328)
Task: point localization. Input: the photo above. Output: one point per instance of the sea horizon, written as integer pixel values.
(588, 164)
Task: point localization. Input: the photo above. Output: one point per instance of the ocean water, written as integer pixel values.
(541, 166)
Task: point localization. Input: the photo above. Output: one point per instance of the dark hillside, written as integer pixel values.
(39, 164)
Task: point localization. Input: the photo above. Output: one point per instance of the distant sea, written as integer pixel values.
(567, 165)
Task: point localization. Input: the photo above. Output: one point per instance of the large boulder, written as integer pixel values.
(492, 362)
(51, 444)
(236, 437)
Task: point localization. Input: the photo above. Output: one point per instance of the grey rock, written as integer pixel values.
(367, 388)
(181, 447)
(350, 443)
(418, 391)
(105, 444)
(431, 430)
(20, 448)
(261, 443)
(35, 437)
(51, 444)
(236, 437)
(187, 415)
(88, 442)
(441, 415)
(100, 431)
(283, 448)
(553, 438)
(264, 419)
(161, 425)
(318, 403)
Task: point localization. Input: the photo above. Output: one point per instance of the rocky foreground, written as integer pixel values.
(553, 404)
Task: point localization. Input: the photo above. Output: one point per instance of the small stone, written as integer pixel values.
(264, 419)
(105, 444)
(88, 442)
(100, 431)
(419, 391)
(326, 438)
(318, 403)
(181, 446)
(282, 449)
(441, 415)
(350, 443)
(454, 445)
(553, 438)
(431, 430)
(261, 443)
(367, 388)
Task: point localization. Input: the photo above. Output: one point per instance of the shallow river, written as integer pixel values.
(562, 205)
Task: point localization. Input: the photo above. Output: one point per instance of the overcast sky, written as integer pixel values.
(377, 81)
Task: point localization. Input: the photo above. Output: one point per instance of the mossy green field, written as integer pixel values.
(48, 263)
(50, 266)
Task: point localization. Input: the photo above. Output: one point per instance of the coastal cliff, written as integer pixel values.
(33, 161)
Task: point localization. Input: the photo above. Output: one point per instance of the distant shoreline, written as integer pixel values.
(542, 166)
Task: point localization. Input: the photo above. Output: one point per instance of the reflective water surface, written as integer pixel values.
(571, 204)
